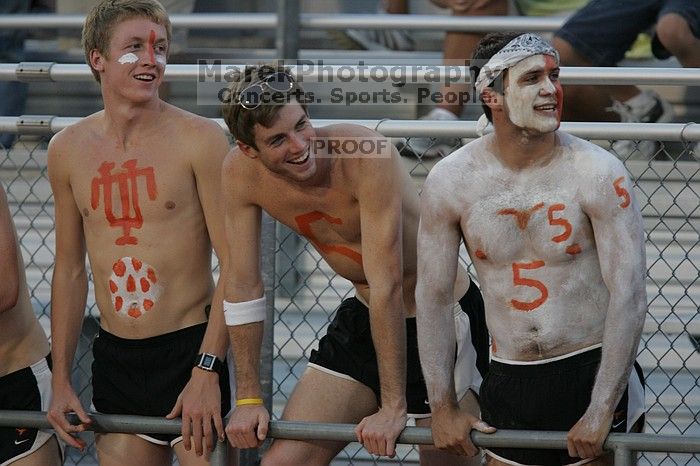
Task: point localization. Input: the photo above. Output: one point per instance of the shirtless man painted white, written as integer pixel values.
(136, 186)
(553, 229)
(25, 363)
(360, 211)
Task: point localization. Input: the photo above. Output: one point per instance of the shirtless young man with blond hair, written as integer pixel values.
(136, 186)
(555, 234)
(360, 211)
(25, 362)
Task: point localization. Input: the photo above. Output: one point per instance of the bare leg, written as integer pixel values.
(189, 458)
(673, 31)
(320, 397)
(396, 6)
(46, 455)
(589, 103)
(459, 46)
(121, 449)
(429, 455)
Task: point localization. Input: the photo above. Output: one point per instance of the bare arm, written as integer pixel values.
(247, 427)
(9, 268)
(619, 235)
(439, 236)
(438, 252)
(200, 400)
(68, 291)
(379, 193)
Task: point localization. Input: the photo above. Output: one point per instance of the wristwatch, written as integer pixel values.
(209, 362)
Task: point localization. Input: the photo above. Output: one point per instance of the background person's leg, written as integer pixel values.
(123, 449)
(320, 397)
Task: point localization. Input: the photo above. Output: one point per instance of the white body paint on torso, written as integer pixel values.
(532, 244)
(521, 100)
(134, 287)
(128, 58)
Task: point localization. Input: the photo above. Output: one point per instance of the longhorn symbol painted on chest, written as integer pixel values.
(304, 222)
(126, 182)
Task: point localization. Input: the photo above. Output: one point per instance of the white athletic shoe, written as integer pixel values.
(435, 147)
(647, 107)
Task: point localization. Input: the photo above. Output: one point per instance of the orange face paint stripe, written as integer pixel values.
(304, 222)
(151, 45)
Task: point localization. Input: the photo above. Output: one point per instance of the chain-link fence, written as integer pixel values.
(667, 180)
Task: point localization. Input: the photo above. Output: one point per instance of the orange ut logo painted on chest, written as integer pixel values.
(304, 222)
(127, 187)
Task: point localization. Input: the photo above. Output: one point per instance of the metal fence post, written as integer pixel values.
(287, 41)
(250, 457)
(219, 457)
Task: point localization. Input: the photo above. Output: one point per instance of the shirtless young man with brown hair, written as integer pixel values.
(25, 362)
(555, 234)
(136, 186)
(360, 211)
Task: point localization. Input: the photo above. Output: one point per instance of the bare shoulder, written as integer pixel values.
(346, 130)
(200, 133)
(241, 176)
(75, 135)
(461, 164)
(590, 160)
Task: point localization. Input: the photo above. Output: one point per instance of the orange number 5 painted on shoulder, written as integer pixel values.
(622, 192)
(520, 281)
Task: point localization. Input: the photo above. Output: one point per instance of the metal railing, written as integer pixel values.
(312, 21)
(681, 132)
(64, 72)
(623, 445)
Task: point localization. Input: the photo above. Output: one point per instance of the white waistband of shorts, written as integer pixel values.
(40, 366)
(545, 361)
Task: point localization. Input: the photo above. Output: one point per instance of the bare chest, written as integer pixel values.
(127, 192)
(528, 222)
(330, 221)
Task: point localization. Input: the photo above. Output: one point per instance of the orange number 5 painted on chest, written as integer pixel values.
(622, 192)
(520, 281)
(559, 222)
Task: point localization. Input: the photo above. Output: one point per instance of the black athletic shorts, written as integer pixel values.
(347, 348)
(27, 389)
(550, 396)
(145, 377)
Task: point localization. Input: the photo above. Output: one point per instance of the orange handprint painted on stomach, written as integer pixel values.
(134, 287)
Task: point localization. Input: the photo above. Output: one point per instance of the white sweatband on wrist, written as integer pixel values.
(245, 312)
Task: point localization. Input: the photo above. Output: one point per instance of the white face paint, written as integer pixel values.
(134, 287)
(160, 59)
(521, 98)
(128, 58)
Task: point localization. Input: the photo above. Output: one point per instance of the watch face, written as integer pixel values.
(208, 361)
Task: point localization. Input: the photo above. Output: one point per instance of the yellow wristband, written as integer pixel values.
(249, 402)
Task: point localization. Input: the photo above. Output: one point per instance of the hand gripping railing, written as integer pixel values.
(623, 445)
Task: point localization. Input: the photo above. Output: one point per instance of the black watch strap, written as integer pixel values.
(209, 362)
